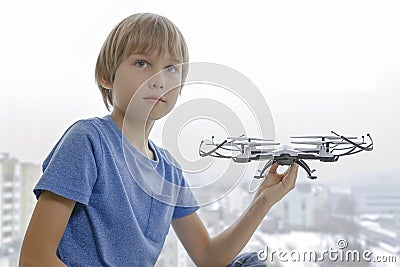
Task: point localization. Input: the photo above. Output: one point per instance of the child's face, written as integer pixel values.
(146, 85)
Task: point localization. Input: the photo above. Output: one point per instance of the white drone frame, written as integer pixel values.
(245, 149)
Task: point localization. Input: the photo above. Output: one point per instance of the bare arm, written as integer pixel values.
(45, 231)
(220, 250)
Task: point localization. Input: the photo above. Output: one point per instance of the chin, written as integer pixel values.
(158, 113)
(156, 116)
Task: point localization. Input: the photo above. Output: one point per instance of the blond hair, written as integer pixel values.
(138, 33)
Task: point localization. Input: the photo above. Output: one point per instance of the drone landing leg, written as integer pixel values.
(306, 168)
(262, 172)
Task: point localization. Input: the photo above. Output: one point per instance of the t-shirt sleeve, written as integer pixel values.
(70, 170)
(186, 203)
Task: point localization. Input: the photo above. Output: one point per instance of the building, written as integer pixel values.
(378, 210)
(378, 231)
(377, 200)
(30, 174)
(304, 208)
(16, 205)
(10, 175)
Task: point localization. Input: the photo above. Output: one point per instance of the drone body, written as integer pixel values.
(324, 148)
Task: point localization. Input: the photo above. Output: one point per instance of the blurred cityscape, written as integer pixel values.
(17, 202)
(313, 217)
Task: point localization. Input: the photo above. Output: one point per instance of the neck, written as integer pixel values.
(134, 129)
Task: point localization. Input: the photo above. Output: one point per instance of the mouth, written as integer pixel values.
(154, 98)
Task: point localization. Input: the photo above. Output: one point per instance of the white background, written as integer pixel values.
(321, 66)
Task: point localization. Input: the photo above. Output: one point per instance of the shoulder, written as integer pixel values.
(85, 126)
(81, 135)
(88, 129)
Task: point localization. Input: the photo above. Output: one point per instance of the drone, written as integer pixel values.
(325, 148)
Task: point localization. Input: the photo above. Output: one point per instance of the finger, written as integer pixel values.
(271, 179)
(296, 171)
(273, 168)
(289, 180)
(294, 168)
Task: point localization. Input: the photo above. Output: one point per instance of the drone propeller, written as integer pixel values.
(330, 137)
(252, 144)
(245, 138)
(317, 142)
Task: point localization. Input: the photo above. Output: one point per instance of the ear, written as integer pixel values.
(106, 84)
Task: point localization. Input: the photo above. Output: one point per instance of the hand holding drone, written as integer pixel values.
(244, 149)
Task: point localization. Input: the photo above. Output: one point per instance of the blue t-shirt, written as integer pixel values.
(124, 201)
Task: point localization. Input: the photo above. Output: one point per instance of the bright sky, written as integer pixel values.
(321, 66)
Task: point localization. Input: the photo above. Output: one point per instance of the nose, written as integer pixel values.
(157, 81)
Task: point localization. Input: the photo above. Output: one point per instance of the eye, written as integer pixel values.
(171, 68)
(141, 63)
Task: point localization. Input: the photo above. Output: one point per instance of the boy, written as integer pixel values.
(92, 209)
